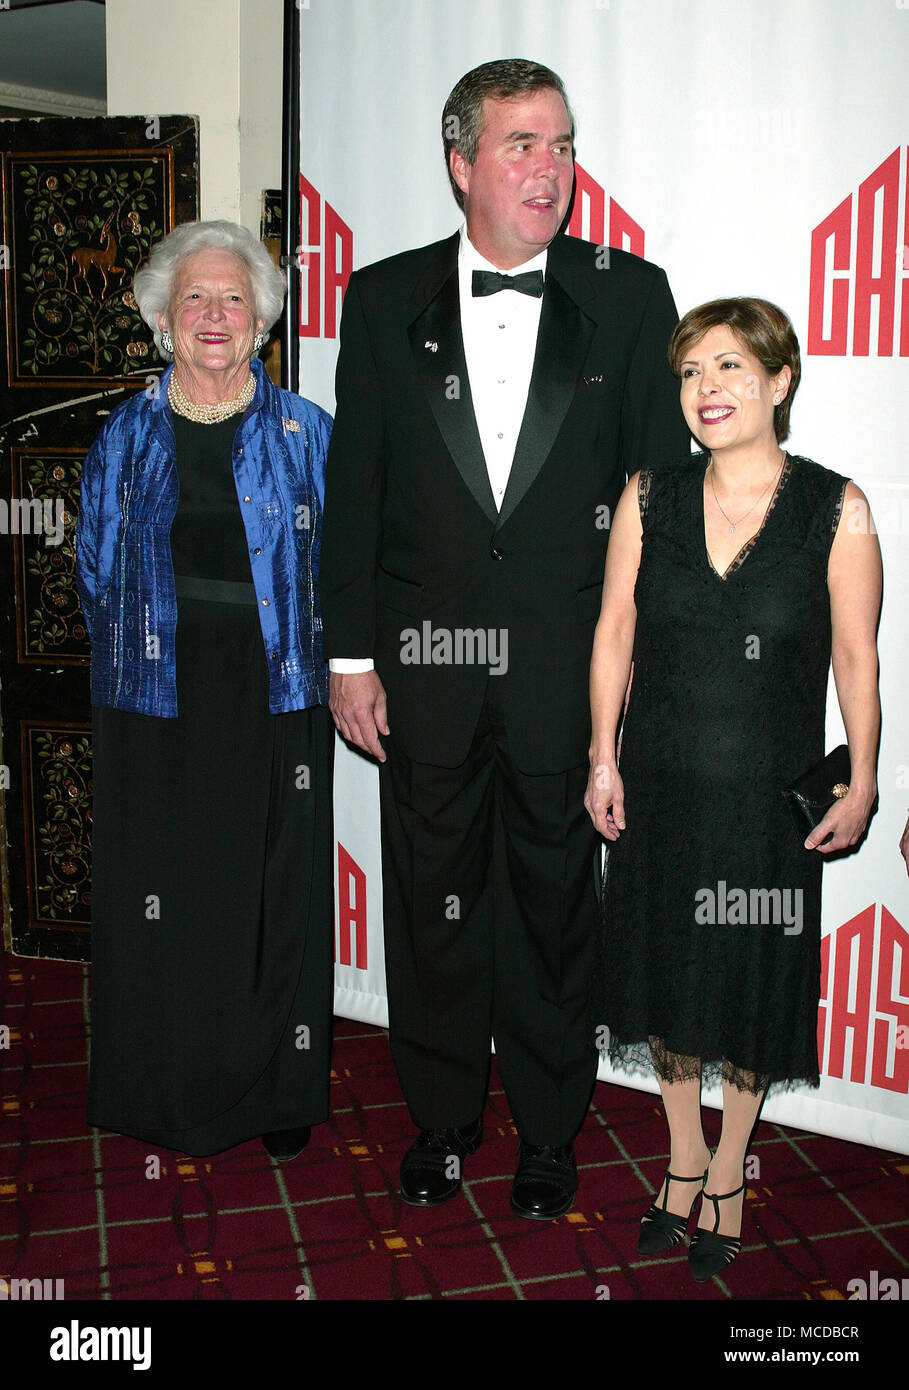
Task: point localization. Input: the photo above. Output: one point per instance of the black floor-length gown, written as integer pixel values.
(212, 917)
(727, 707)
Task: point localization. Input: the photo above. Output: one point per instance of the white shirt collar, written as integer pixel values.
(470, 259)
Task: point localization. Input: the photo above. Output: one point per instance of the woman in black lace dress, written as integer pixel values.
(730, 580)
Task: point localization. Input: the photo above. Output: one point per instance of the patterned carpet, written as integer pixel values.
(116, 1220)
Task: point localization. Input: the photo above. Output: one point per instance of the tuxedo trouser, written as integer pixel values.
(491, 922)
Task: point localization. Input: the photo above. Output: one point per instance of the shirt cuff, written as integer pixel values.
(350, 666)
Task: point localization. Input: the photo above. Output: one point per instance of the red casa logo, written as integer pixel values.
(859, 260)
(351, 910)
(588, 217)
(869, 1023)
(325, 262)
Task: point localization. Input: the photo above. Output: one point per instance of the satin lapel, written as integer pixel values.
(442, 371)
(562, 340)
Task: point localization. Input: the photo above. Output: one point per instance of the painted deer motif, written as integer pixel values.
(102, 258)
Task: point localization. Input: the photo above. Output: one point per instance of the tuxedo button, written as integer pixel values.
(497, 554)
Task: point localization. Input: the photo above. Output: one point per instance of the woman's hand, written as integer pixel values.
(846, 819)
(605, 797)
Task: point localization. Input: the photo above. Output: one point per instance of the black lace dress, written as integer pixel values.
(712, 904)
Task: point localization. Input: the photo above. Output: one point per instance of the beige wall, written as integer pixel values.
(220, 60)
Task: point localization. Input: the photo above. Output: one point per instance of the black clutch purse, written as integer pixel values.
(811, 795)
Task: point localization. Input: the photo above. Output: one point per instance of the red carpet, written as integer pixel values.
(117, 1220)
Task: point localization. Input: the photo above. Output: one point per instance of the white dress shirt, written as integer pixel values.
(500, 341)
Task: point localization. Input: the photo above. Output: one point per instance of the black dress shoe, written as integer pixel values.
(546, 1181)
(431, 1168)
(284, 1144)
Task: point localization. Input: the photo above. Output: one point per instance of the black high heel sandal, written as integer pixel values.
(709, 1252)
(662, 1229)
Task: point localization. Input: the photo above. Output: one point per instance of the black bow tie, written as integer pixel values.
(491, 281)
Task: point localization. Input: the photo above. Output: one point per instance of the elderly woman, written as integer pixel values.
(197, 563)
(730, 579)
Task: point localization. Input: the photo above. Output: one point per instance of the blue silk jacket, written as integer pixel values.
(124, 568)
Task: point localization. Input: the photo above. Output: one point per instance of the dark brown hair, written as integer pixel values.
(462, 118)
(764, 330)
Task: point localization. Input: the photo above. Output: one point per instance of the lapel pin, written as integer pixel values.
(292, 425)
(433, 347)
(592, 380)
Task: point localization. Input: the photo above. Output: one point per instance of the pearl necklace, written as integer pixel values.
(208, 414)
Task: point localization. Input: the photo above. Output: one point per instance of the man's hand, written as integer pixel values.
(357, 705)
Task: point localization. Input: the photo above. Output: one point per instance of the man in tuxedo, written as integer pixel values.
(493, 391)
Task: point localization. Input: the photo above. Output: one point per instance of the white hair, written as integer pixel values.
(154, 282)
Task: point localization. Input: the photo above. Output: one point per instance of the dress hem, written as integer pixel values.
(636, 1057)
(163, 1140)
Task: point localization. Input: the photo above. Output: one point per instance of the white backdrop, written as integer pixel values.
(722, 134)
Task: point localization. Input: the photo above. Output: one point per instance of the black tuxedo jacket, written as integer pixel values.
(413, 547)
